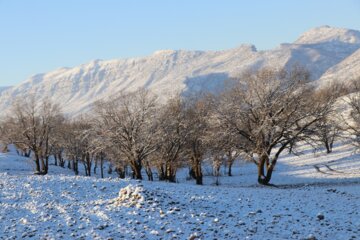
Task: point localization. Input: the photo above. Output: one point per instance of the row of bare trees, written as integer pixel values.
(31, 127)
(257, 117)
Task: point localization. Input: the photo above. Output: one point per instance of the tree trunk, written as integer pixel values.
(102, 165)
(43, 165)
(85, 158)
(61, 160)
(95, 165)
(230, 168)
(197, 171)
(269, 172)
(27, 153)
(199, 179)
(120, 172)
(37, 163)
(262, 178)
(149, 174)
(172, 178)
(45, 156)
(85, 168)
(75, 166)
(46, 164)
(261, 172)
(230, 162)
(171, 173)
(192, 173)
(161, 173)
(55, 160)
(216, 166)
(328, 147)
(88, 162)
(110, 169)
(136, 168)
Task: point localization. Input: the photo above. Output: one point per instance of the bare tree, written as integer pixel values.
(225, 143)
(170, 139)
(132, 124)
(351, 121)
(77, 144)
(4, 138)
(52, 140)
(30, 125)
(114, 155)
(271, 109)
(226, 148)
(326, 131)
(197, 112)
(102, 146)
(56, 141)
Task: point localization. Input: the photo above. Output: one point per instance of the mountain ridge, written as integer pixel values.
(170, 71)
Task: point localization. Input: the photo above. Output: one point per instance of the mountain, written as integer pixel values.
(325, 51)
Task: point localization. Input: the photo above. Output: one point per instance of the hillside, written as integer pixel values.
(324, 51)
(346, 70)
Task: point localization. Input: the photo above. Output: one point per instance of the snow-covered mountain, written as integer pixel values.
(327, 52)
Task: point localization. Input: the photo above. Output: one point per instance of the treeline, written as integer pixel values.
(258, 116)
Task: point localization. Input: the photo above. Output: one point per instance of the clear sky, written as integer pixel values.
(42, 35)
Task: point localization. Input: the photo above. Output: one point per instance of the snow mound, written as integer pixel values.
(130, 196)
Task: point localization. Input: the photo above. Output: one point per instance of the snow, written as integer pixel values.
(329, 34)
(130, 196)
(344, 72)
(342, 165)
(315, 196)
(166, 72)
(164, 52)
(305, 202)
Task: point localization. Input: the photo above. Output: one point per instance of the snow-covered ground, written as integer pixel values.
(306, 167)
(317, 197)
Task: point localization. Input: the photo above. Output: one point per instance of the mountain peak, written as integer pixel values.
(245, 47)
(326, 33)
(164, 52)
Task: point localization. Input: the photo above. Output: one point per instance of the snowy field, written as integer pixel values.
(317, 196)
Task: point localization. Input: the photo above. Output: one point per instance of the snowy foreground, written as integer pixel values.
(318, 197)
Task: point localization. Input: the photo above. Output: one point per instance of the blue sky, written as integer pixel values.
(41, 35)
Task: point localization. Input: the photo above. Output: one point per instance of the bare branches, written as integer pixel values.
(30, 126)
(351, 120)
(130, 124)
(271, 108)
(260, 115)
